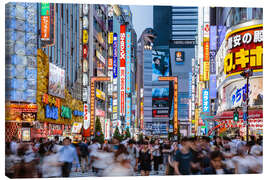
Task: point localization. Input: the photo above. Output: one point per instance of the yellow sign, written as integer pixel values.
(85, 36)
(100, 94)
(206, 70)
(110, 38)
(115, 109)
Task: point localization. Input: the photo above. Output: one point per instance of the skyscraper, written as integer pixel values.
(176, 29)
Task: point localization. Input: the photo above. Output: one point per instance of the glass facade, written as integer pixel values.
(65, 49)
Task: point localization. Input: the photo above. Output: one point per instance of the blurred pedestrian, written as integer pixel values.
(145, 157)
(216, 167)
(156, 152)
(68, 154)
(51, 166)
(183, 158)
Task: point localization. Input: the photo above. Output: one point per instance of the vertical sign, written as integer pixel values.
(142, 114)
(128, 62)
(206, 30)
(206, 103)
(92, 110)
(128, 112)
(45, 22)
(122, 68)
(213, 47)
(175, 127)
(212, 86)
(114, 55)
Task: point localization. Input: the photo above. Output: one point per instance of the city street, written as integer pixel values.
(124, 87)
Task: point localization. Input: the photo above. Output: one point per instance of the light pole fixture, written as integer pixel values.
(246, 74)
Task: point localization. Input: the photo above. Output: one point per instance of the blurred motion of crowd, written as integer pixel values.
(43, 158)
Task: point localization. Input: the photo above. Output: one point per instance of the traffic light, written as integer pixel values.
(235, 115)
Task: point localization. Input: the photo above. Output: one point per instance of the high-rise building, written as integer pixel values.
(176, 29)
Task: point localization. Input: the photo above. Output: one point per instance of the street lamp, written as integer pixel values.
(246, 74)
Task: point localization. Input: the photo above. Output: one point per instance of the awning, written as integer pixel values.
(252, 114)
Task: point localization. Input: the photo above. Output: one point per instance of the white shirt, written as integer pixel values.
(49, 169)
(242, 164)
(116, 169)
(13, 147)
(105, 159)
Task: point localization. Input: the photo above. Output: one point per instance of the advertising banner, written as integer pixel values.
(100, 113)
(160, 113)
(213, 86)
(212, 62)
(160, 65)
(122, 68)
(235, 93)
(206, 103)
(76, 128)
(45, 9)
(86, 114)
(100, 94)
(201, 69)
(85, 36)
(245, 50)
(206, 70)
(56, 81)
(45, 28)
(213, 38)
(107, 128)
(100, 57)
(206, 49)
(128, 112)
(110, 38)
(92, 106)
(128, 62)
(179, 57)
(110, 63)
(114, 55)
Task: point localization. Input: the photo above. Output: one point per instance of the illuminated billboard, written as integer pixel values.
(122, 68)
(245, 50)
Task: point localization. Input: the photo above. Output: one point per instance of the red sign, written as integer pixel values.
(45, 28)
(85, 51)
(252, 114)
(100, 113)
(110, 63)
(122, 45)
(206, 50)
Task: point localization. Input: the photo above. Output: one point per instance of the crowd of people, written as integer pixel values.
(188, 156)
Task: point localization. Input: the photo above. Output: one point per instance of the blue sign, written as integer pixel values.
(77, 113)
(206, 103)
(115, 55)
(239, 94)
(51, 112)
(213, 86)
(245, 116)
(212, 56)
(213, 37)
(128, 62)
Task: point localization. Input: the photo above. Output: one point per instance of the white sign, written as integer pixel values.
(86, 113)
(76, 128)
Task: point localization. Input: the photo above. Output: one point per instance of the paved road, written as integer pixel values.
(90, 173)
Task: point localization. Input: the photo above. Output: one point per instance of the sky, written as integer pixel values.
(142, 18)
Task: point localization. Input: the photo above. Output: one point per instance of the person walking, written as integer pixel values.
(156, 152)
(145, 157)
(216, 167)
(183, 157)
(68, 154)
(84, 156)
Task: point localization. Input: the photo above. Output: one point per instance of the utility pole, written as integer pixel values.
(246, 74)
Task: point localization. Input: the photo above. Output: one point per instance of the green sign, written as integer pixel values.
(45, 9)
(203, 127)
(66, 112)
